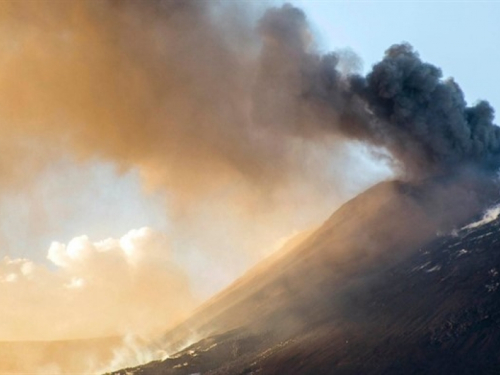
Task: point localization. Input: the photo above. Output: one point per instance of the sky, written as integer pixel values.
(460, 37)
(44, 224)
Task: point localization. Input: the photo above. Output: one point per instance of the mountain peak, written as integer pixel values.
(334, 297)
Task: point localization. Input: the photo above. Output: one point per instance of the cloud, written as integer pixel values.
(94, 289)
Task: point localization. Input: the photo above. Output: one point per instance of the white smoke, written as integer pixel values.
(490, 215)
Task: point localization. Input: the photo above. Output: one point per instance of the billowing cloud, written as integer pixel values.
(94, 289)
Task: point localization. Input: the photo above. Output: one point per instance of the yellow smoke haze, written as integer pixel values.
(125, 81)
(160, 86)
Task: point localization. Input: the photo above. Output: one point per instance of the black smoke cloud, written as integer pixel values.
(403, 104)
(424, 119)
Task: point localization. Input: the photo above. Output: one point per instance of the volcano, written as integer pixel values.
(403, 279)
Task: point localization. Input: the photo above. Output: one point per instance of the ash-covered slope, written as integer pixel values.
(382, 287)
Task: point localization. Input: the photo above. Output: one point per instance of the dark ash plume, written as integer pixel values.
(424, 120)
(403, 104)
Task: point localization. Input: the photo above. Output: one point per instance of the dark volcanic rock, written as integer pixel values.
(393, 283)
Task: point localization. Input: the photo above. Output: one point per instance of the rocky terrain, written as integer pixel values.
(403, 279)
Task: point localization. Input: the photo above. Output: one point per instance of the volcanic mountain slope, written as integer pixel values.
(390, 284)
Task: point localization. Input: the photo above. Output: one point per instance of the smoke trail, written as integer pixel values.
(188, 93)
